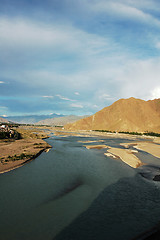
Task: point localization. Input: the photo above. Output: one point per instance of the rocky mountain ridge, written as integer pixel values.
(132, 115)
(60, 121)
(31, 119)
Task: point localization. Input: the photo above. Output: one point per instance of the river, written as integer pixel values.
(72, 193)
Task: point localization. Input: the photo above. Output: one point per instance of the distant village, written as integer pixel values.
(6, 131)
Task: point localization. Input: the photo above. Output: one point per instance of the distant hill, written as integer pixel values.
(31, 119)
(61, 121)
(132, 115)
(3, 120)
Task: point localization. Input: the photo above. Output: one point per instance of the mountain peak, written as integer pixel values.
(130, 114)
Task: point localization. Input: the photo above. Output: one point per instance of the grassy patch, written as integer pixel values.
(22, 156)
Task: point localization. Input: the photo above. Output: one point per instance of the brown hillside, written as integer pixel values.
(3, 120)
(60, 121)
(123, 115)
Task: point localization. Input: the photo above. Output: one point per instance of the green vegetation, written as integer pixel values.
(13, 134)
(145, 133)
(132, 133)
(4, 135)
(104, 131)
(38, 145)
(20, 157)
(17, 135)
(11, 125)
(152, 134)
(42, 125)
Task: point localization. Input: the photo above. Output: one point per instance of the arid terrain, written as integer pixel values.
(15, 153)
(148, 144)
(60, 121)
(131, 115)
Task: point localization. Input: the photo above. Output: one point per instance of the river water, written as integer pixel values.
(72, 193)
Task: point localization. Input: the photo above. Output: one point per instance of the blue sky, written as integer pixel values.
(76, 57)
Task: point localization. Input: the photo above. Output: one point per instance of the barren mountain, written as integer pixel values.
(123, 115)
(60, 121)
(31, 119)
(3, 120)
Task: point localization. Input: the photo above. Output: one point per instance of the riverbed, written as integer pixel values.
(75, 193)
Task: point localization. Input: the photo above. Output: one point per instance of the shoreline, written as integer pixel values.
(92, 133)
(149, 144)
(24, 161)
(17, 153)
(126, 155)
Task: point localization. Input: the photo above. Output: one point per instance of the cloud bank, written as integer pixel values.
(77, 57)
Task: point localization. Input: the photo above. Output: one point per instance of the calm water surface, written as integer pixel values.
(73, 193)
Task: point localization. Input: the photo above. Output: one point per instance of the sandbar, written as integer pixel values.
(94, 141)
(110, 155)
(126, 156)
(95, 146)
(149, 147)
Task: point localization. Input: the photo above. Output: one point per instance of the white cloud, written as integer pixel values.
(76, 105)
(125, 10)
(139, 77)
(22, 34)
(1, 82)
(104, 96)
(64, 98)
(95, 106)
(147, 5)
(157, 45)
(77, 93)
(155, 93)
(48, 96)
(93, 64)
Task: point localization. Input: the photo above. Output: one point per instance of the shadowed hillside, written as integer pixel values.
(123, 115)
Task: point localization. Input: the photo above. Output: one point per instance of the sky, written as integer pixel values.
(77, 56)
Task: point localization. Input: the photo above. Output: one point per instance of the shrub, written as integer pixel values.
(17, 135)
(152, 134)
(3, 135)
(22, 156)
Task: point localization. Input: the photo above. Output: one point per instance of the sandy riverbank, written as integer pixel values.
(86, 133)
(151, 148)
(126, 155)
(95, 146)
(32, 145)
(15, 153)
